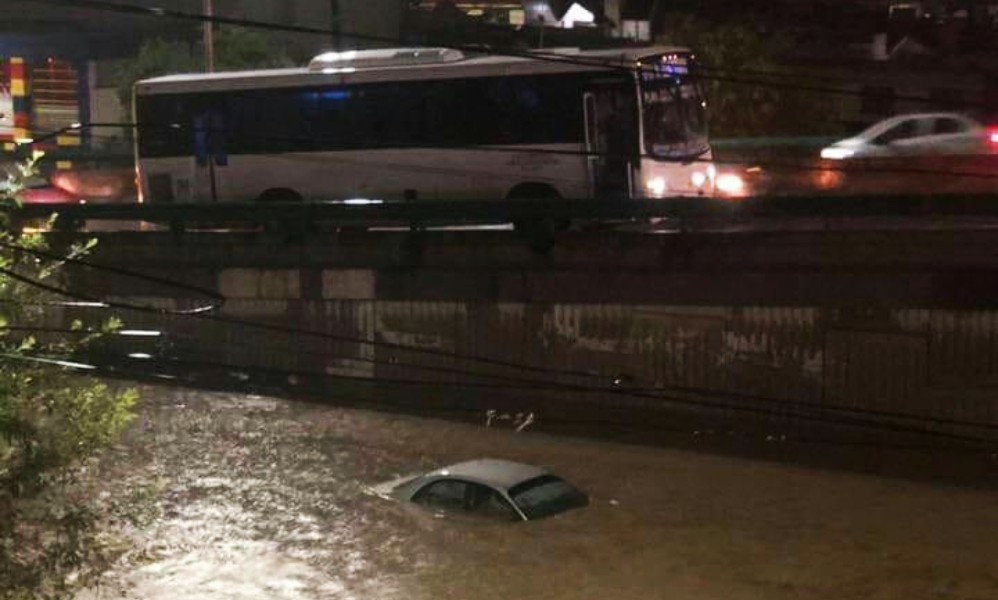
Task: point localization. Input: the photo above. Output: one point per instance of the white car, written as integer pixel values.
(491, 489)
(917, 134)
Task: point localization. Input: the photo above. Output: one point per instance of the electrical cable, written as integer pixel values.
(159, 12)
(376, 402)
(658, 392)
(644, 392)
(700, 403)
(203, 314)
(188, 365)
(218, 300)
(768, 164)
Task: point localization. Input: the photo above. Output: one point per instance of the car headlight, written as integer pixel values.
(834, 153)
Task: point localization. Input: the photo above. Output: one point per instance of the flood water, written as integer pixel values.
(265, 498)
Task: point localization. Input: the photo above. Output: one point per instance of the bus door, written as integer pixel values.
(611, 137)
(210, 156)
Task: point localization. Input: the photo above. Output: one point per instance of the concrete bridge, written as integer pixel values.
(878, 335)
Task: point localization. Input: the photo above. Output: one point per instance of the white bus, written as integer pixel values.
(428, 123)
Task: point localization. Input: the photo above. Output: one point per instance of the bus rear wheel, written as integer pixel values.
(538, 226)
(540, 231)
(281, 196)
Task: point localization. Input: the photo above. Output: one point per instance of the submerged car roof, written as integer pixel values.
(503, 474)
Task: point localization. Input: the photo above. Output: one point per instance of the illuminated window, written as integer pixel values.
(635, 30)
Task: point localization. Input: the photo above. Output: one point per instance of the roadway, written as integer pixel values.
(261, 498)
(769, 213)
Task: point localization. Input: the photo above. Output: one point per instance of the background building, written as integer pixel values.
(61, 65)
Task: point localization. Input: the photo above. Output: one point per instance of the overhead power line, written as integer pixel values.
(188, 368)
(160, 12)
(664, 392)
(769, 164)
(217, 299)
(859, 419)
(132, 370)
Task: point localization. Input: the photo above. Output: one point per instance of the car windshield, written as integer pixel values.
(545, 496)
(674, 112)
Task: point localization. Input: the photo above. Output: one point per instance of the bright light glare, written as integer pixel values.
(61, 363)
(656, 185)
(140, 332)
(83, 304)
(76, 126)
(140, 355)
(698, 179)
(730, 184)
(834, 153)
(994, 137)
(337, 56)
(362, 201)
(24, 141)
(331, 71)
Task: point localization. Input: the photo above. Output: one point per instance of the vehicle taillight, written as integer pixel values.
(993, 136)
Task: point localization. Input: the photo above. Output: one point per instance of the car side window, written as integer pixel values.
(447, 494)
(945, 126)
(488, 504)
(902, 131)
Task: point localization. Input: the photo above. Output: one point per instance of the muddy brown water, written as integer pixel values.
(265, 498)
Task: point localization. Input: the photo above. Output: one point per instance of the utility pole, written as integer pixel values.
(209, 37)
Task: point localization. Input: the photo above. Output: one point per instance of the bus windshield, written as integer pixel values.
(674, 111)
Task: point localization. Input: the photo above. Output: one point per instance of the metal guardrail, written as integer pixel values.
(430, 213)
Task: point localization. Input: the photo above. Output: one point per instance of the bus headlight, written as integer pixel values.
(698, 179)
(655, 186)
(730, 184)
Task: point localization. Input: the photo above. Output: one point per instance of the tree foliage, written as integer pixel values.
(750, 93)
(54, 423)
(235, 49)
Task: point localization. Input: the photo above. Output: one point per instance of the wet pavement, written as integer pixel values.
(265, 498)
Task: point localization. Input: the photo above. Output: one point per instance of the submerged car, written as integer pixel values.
(917, 135)
(491, 489)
